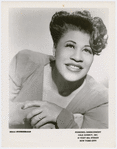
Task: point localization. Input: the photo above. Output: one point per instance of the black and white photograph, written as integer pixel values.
(59, 70)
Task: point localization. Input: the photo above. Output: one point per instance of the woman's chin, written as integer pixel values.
(72, 79)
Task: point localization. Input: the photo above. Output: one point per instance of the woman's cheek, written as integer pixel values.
(88, 61)
(62, 55)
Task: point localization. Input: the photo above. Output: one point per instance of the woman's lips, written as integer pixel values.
(75, 68)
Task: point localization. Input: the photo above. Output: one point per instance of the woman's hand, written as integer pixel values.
(44, 113)
(48, 126)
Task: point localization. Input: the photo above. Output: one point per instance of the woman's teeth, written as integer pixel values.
(74, 68)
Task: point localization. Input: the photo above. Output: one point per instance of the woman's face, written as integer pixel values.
(74, 55)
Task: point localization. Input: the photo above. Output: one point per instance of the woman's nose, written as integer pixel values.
(77, 56)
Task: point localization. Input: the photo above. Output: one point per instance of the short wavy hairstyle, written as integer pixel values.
(63, 21)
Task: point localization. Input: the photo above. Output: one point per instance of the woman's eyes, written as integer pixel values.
(85, 50)
(88, 51)
(70, 46)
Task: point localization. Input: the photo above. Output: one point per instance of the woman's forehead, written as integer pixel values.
(76, 35)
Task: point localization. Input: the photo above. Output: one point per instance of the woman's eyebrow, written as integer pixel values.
(87, 46)
(71, 41)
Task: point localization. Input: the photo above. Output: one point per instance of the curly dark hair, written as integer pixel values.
(63, 21)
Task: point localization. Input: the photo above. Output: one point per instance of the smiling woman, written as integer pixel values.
(73, 55)
(55, 92)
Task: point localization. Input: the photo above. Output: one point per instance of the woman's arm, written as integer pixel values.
(47, 112)
(96, 117)
(14, 81)
(66, 120)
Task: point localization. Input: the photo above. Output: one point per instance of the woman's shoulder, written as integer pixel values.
(99, 91)
(93, 94)
(96, 86)
(26, 62)
(32, 56)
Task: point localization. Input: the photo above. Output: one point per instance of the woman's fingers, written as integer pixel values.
(48, 126)
(34, 113)
(41, 122)
(50, 112)
(37, 118)
(32, 104)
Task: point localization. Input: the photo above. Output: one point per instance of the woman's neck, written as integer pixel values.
(64, 87)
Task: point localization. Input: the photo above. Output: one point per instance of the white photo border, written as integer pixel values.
(56, 138)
